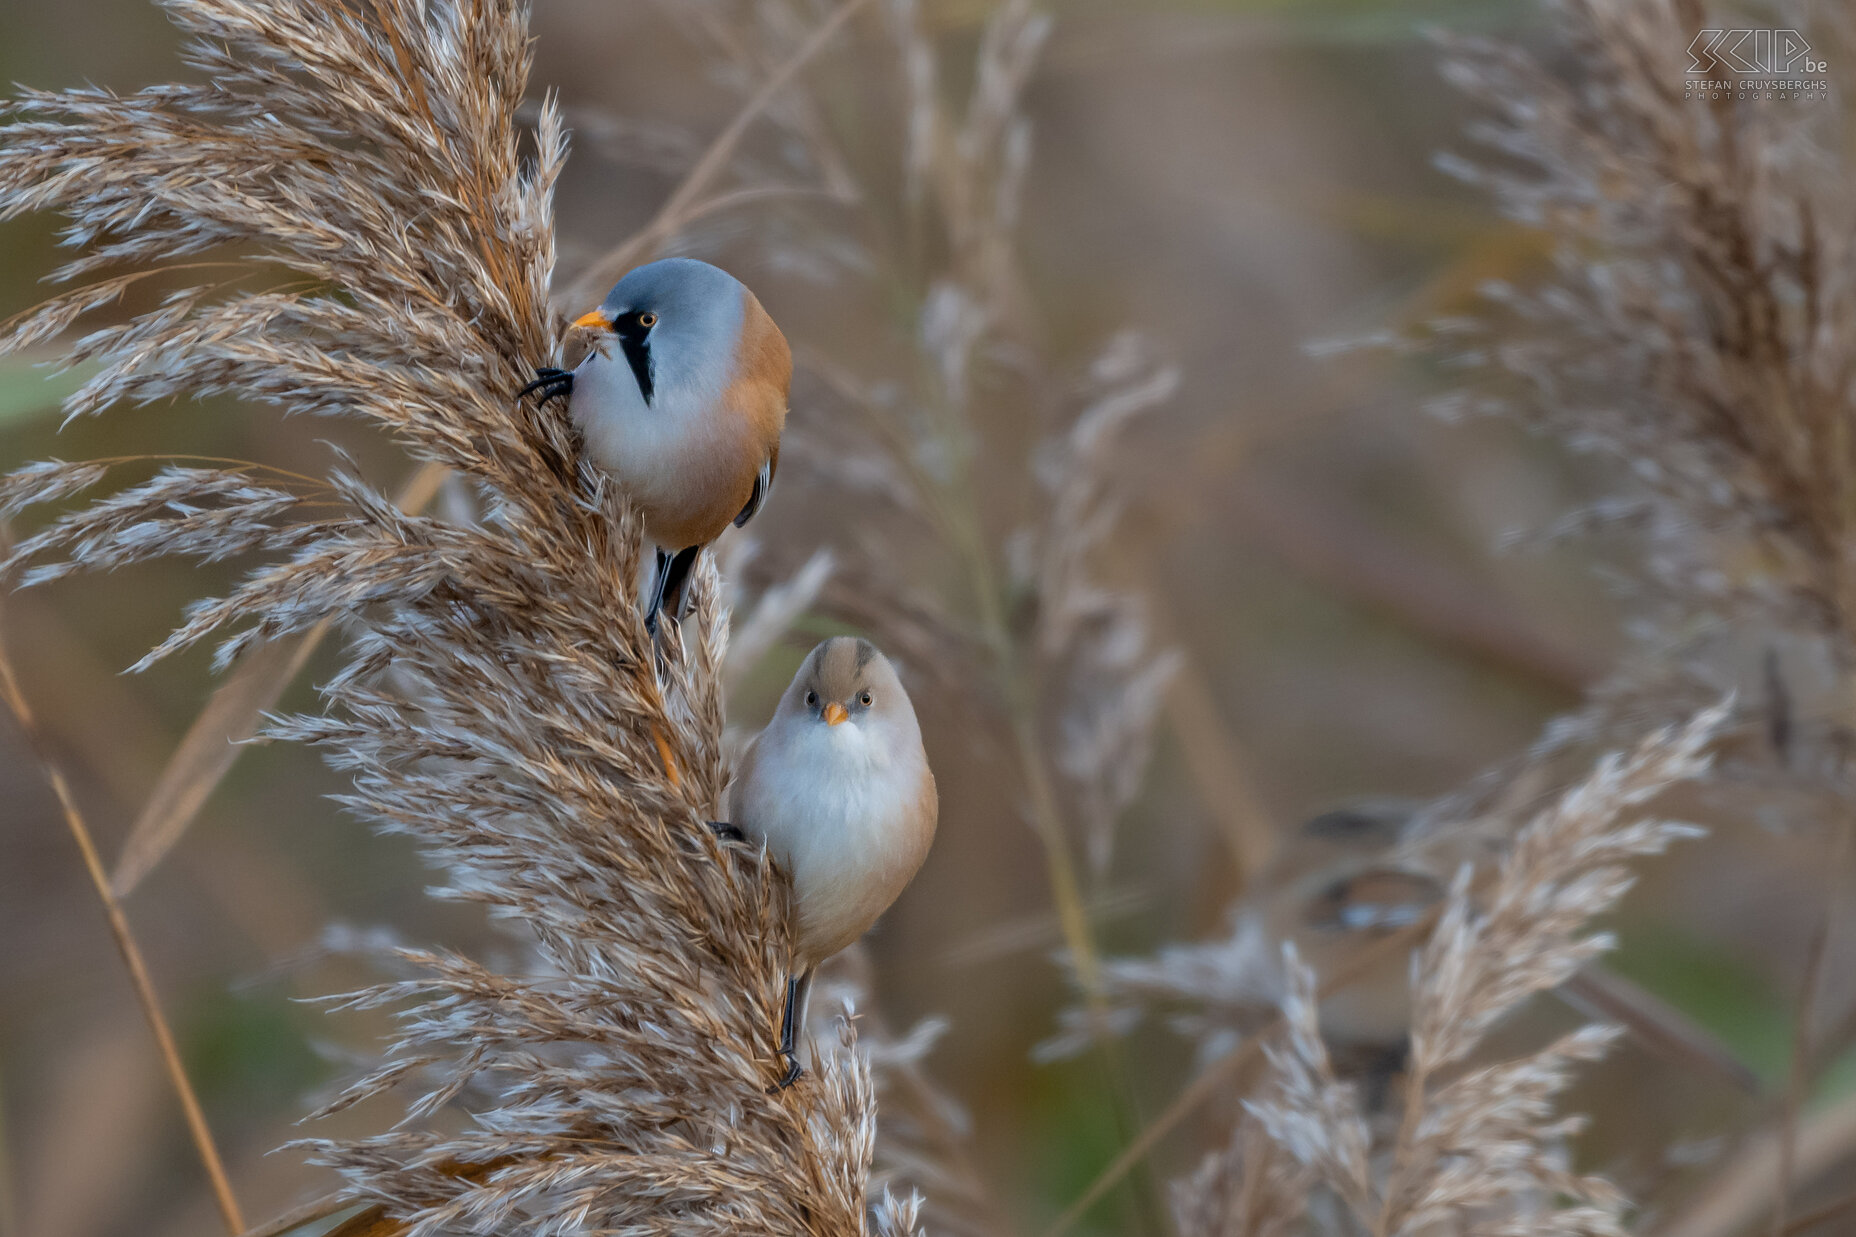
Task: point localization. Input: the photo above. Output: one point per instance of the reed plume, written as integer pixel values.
(1692, 331)
(352, 224)
(1480, 1144)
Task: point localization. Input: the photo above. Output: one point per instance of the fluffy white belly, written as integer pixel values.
(645, 449)
(844, 817)
(686, 459)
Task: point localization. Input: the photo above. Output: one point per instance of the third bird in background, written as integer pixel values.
(1333, 890)
(838, 789)
(1349, 878)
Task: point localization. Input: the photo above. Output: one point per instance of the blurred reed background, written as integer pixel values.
(1164, 579)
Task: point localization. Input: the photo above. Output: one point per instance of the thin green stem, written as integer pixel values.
(956, 506)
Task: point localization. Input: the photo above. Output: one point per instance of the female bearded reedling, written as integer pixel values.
(838, 789)
(681, 400)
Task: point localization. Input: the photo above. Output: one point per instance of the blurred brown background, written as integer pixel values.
(1236, 179)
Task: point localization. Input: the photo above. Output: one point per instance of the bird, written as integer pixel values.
(838, 790)
(1356, 874)
(680, 399)
(1333, 888)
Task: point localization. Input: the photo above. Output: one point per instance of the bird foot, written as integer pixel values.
(551, 382)
(793, 1071)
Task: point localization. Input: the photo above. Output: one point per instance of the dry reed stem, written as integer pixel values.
(1818, 1215)
(1221, 771)
(321, 1209)
(1740, 1191)
(197, 1129)
(1603, 995)
(9, 1205)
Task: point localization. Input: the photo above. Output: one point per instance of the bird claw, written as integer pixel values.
(793, 1071)
(551, 382)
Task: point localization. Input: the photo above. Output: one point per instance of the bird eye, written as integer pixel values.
(811, 700)
(647, 320)
(863, 698)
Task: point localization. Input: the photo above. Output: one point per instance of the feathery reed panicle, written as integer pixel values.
(1697, 325)
(1479, 1144)
(500, 701)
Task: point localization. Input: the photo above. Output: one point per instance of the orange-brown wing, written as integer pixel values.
(762, 385)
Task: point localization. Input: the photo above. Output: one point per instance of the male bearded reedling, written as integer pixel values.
(837, 787)
(680, 400)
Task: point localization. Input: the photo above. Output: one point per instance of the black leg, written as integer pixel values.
(798, 987)
(550, 382)
(677, 577)
(661, 575)
(727, 832)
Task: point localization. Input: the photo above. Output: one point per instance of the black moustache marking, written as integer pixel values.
(637, 353)
(640, 358)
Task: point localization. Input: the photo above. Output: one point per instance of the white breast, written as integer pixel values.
(644, 447)
(841, 811)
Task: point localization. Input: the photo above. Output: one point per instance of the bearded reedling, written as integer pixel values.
(680, 399)
(837, 787)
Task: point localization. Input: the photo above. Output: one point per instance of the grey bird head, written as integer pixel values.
(847, 680)
(678, 324)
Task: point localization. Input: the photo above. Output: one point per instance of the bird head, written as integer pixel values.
(848, 682)
(678, 324)
(1340, 872)
(1337, 886)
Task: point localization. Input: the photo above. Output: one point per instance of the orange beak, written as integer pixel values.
(593, 319)
(835, 713)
